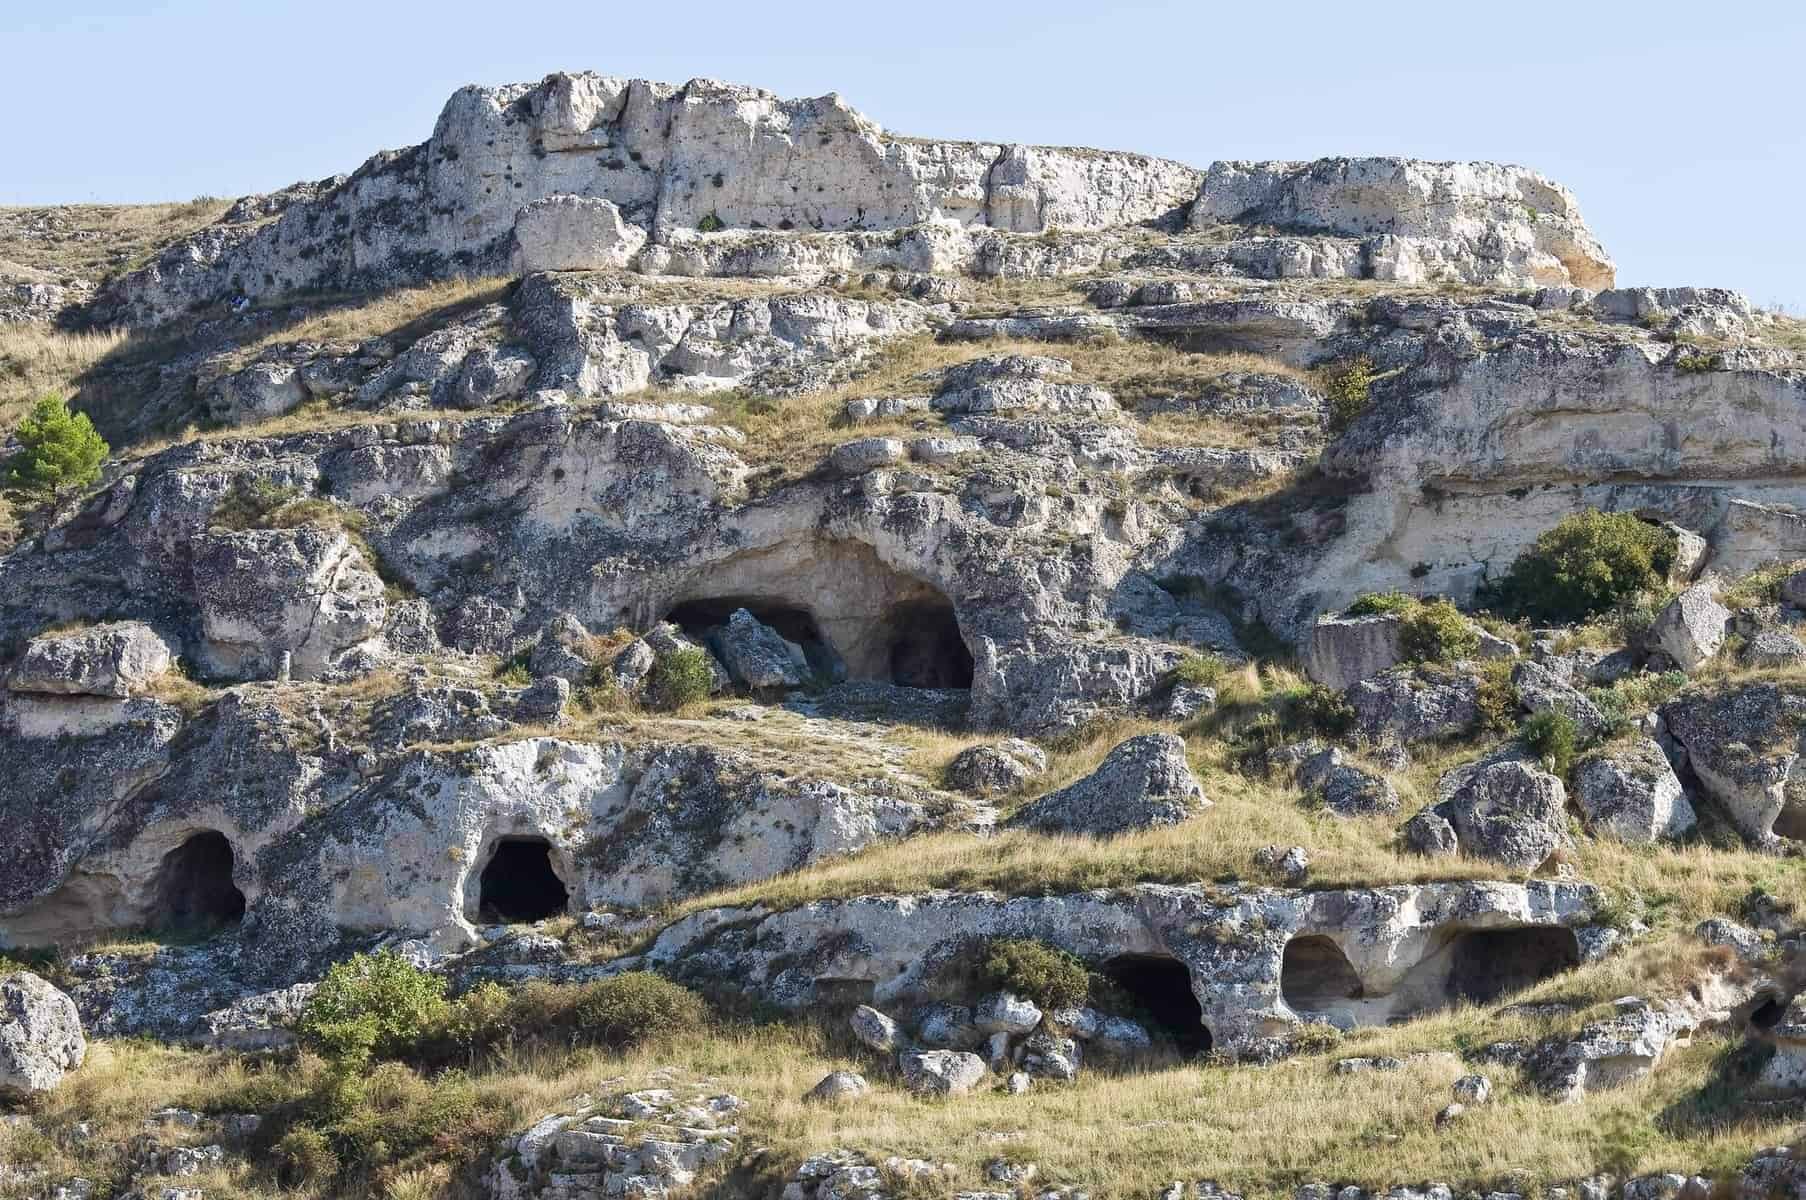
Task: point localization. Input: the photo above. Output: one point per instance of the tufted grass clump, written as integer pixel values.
(678, 677)
(304, 1156)
(1200, 670)
(1586, 564)
(1032, 969)
(637, 1007)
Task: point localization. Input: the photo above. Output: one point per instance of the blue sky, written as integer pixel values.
(1682, 127)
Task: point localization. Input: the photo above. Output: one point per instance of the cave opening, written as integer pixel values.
(1487, 964)
(194, 889)
(519, 885)
(1791, 821)
(926, 649)
(1767, 1014)
(1160, 988)
(793, 623)
(1316, 977)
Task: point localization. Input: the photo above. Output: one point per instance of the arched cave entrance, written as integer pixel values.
(194, 889)
(1767, 1013)
(1161, 989)
(1486, 964)
(854, 615)
(926, 649)
(1316, 977)
(1791, 821)
(518, 883)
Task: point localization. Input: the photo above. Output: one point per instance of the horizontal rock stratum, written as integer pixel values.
(674, 163)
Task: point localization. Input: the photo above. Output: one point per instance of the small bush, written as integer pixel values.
(1051, 978)
(58, 451)
(1552, 737)
(712, 223)
(305, 1156)
(1348, 386)
(1199, 670)
(1437, 632)
(1375, 604)
(1697, 363)
(1496, 699)
(1321, 711)
(372, 1005)
(679, 677)
(1585, 565)
(635, 1007)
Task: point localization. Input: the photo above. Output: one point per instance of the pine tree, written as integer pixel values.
(58, 450)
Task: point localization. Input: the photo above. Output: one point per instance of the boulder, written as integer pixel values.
(116, 660)
(1631, 794)
(1345, 650)
(1473, 1089)
(1742, 743)
(1772, 648)
(837, 1086)
(1345, 789)
(1290, 863)
(1505, 810)
(875, 1030)
(995, 768)
(1540, 689)
(1604, 1054)
(573, 233)
(1142, 783)
(756, 655)
(1692, 627)
(941, 1072)
(1430, 834)
(1005, 1012)
(1407, 705)
(866, 454)
(1051, 1056)
(40, 1036)
(947, 1027)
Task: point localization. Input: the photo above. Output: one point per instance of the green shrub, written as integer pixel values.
(1050, 977)
(372, 1005)
(1552, 737)
(635, 1007)
(712, 223)
(1321, 711)
(304, 1156)
(1697, 363)
(1435, 631)
(58, 451)
(1496, 699)
(678, 677)
(1348, 386)
(1586, 564)
(1375, 604)
(1199, 670)
(480, 1018)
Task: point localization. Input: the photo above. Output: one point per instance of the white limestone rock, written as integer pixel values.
(117, 660)
(40, 1036)
(1507, 811)
(573, 233)
(1345, 650)
(1692, 628)
(941, 1072)
(1142, 783)
(1632, 795)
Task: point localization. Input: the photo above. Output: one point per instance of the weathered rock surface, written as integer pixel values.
(1345, 650)
(40, 1036)
(1632, 795)
(115, 660)
(987, 770)
(1743, 744)
(1508, 811)
(1692, 627)
(1346, 789)
(1142, 783)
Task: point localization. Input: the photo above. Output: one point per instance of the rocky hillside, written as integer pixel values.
(668, 640)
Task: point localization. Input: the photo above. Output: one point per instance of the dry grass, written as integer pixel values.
(1116, 1133)
(93, 241)
(35, 361)
(405, 313)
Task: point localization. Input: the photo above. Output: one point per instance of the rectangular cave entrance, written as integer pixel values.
(1160, 989)
(1488, 964)
(1317, 980)
(519, 885)
(194, 889)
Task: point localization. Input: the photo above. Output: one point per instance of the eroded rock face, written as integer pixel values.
(1743, 744)
(1345, 650)
(1479, 221)
(40, 1036)
(283, 602)
(573, 233)
(1403, 948)
(1142, 783)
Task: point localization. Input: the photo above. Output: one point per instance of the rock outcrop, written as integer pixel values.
(1142, 783)
(40, 1036)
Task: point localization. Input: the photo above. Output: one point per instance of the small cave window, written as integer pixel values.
(1315, 976)
(1487, 964)
(1768, 1013)
(926, 649)
(194, 889)
(798, 625)
(519, 884)
(1160, 988)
